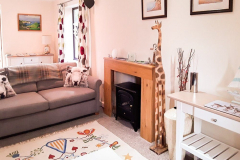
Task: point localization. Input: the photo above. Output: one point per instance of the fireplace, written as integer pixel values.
(128, 103)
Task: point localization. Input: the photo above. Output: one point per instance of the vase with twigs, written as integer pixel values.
(183, 68)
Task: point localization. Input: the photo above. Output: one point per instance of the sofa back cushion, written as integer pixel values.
(49, 84)
(24, 88)
(33, 73)
(55, 83)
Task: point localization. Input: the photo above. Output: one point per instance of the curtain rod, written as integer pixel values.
(65, 2)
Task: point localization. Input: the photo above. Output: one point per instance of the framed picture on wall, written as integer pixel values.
(152, 9)
(210, 6)
(29, 22)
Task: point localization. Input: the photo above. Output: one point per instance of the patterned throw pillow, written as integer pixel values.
(6, 89)
(84, 79)
(76, 77)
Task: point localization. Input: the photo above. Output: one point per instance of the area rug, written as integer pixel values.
(70, 144)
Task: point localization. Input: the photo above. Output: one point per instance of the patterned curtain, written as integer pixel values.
(1, 50)
(61, 54)
(83, 54)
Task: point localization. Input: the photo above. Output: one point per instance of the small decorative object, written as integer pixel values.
(6, 89)
(194, 82)
(154, 54)
(131, 57)
(89, 3)
(235, 84)
(160, 145)
(211, 6)
(183, 69)
(76, 77)
(170, 118)
(29, 22)
(46, 40)
(226, 107)
(152, 9)
(114, 53)
(149, 60)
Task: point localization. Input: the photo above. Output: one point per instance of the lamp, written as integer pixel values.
(235, 84)
(46, 40)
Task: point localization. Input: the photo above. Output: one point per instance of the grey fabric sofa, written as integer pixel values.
(47, 102)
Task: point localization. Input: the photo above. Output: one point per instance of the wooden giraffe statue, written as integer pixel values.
(160, 134)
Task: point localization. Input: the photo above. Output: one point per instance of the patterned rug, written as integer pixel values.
(70, 144)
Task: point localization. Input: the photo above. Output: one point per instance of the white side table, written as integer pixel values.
(200, 145)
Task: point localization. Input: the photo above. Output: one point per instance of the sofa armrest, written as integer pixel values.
(95, 84)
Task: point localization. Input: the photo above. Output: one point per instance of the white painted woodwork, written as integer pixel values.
(201, 142)
(46, 59)
(30, 60)
(16, 61)
(218, 120)
(187, 108)
(236, 156)
(193, 139)
(227, 154)
(200, 145)
(180, 129)
(208, 148)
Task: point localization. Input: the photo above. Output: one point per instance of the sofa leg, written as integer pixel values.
(97, 113)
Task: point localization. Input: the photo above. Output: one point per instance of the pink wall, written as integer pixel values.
(15, 41)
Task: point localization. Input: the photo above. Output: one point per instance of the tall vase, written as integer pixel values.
(170, 118)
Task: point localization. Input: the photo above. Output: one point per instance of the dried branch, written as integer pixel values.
(185, 80)
(182, 69)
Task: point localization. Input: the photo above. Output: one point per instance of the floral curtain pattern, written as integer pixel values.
(83, 55)
(1, 50)
(61, 54)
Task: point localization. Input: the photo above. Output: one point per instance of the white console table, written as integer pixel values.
(16, 61)
(200, 145)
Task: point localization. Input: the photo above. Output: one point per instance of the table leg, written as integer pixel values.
(197, 129)
(180, 130)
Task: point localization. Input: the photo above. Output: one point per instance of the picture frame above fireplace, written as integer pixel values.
(210, 6)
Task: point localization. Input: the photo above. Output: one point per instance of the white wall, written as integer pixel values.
(15, 41)
(215, 37)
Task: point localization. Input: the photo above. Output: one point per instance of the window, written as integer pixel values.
(75, 32)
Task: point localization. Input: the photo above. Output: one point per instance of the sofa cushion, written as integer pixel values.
(22, 104)
(63, 96)
(24, 88)
(49, 84)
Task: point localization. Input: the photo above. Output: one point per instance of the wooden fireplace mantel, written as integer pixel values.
(147, 75)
